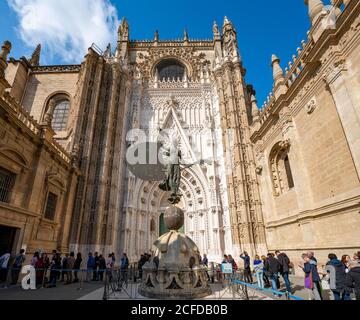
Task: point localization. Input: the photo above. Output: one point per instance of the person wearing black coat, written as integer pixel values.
(77, 266)
(284, 262)
(272, 269)
(353, 278)
(342, 291)
(102, 267)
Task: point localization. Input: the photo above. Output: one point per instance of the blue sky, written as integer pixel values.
(264, 27)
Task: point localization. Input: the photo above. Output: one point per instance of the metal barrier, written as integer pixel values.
(45, 277)
(232, 285)
(122, 282)
(287, 295)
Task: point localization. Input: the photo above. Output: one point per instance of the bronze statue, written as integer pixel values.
(173, 169)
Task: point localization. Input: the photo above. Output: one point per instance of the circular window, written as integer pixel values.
(170, 69)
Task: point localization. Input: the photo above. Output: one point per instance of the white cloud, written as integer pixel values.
(66, 28)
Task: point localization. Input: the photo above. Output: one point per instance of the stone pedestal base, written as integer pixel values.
(174, 285)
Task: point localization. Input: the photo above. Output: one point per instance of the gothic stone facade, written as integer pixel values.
(282, 177)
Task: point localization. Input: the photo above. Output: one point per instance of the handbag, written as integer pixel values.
(309, 283)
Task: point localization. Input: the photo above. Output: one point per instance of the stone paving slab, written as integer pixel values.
(219, 293)
(61, 292)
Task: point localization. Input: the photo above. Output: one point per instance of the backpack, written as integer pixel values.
(235, 267)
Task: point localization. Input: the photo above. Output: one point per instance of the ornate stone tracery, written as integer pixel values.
(146, 62)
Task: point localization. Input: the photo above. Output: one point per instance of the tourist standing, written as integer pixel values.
(4, 263)
(312, 278)
(46, 261)
(247, 270)
(40, 270)
(266, 278)
(346, 260)
(272, 268)
(233, 263)
(110, 263)
(124, 266)
(64, 267)
(259, 271)
(70, 267)
(34, 259)
(284, 262)
(17, 266)
(341, 291)
(353, 276)
(55, 267)
(102, 266)
(113, 258)
(90, 266)
(77, 267)
(212, 272)
(96, 267)
(205, 261)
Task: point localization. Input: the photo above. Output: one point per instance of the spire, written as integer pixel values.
(216, 31)
(5, 50)
(254, 108)
(35, 57)
(123, 39)
(227, 25)
(315, 8)
(277, 71)
(156, 36)
(186, 36)
(123, 32)
(279, 78)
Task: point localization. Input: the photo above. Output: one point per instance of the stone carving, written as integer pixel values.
(64, 68)
(259, 170)
(145, 63)
(311, 106)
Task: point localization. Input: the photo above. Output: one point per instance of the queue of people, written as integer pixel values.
(341, 277)
(59, 268)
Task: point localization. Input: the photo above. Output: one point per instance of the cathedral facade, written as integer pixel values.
(284, 176)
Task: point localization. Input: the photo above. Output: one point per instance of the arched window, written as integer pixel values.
(280, 166)
(61, 115)
(170, 69)
(289, 175)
